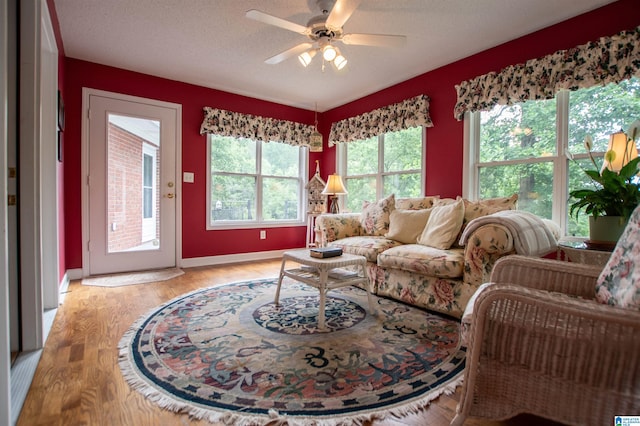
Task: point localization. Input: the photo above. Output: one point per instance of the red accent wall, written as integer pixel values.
(196, 240)
(444, 140)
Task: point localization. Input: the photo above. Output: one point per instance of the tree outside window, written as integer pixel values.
(391, 163)
(522, 148)
(253, 182)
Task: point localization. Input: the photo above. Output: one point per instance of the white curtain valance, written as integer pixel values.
(238, 125)
(608, 60)
(408, 113)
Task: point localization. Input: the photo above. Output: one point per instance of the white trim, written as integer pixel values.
(5, 336)
(86, 93)
(49, 162)
(232, 258)
(74, 274)
(258, 221)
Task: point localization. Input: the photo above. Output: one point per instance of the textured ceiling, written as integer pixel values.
(212, 44)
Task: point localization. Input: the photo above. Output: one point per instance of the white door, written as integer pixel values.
(132, 186)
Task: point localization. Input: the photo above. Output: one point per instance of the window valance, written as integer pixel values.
(235, 124)
(608, 60)
(408, 113)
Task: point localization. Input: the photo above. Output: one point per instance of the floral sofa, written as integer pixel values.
(434, 253)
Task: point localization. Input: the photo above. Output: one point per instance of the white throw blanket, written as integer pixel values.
(531, 237)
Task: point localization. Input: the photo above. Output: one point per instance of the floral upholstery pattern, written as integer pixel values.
(448, 296)
(619, 282)
(485, 246)
(331, 227)
(375, 216)
(367, 246)
(424, 260)
(434, 279)
(417, 203)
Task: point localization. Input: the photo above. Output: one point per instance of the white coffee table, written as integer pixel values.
(316, 274)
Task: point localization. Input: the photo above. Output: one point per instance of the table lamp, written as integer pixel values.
(334, 188)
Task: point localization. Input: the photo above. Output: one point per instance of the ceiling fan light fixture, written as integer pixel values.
(339, 62)
(306, 57)
(329, 53)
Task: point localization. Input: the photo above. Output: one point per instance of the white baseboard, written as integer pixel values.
(231, 258)
(74, 274)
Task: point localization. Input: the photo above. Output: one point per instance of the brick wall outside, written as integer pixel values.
(125, 189)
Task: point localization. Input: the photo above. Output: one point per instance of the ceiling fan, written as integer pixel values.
(323, 31)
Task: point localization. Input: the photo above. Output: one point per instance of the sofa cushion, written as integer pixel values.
(474, 209)
(367, 246)
(416, 203)
(424, 260)
(443, 225)
(375, 216)
(406, 226)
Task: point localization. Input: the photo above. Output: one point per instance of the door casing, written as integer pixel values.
(86, 94)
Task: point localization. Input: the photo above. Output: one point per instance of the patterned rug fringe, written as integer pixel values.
(140, 383)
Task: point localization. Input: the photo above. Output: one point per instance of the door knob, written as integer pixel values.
(169, 195)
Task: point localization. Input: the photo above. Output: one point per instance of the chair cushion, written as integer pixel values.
(619, 282)
(367, 246)
(424, 260)
(375, 216)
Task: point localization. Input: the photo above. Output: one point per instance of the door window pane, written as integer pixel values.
(133, 212)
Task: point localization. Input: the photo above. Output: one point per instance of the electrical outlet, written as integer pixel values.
(263, 235)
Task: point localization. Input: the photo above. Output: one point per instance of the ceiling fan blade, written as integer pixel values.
(296, 50)
(374, 40)
(340, 13)
(274, 20)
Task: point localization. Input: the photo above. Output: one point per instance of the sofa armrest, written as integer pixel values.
(574, 279)
(483, 248)
(331, 227)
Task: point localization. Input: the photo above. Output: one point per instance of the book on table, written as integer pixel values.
(324, 252)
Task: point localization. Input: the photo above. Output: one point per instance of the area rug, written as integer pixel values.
(133, 278)
(229, 354)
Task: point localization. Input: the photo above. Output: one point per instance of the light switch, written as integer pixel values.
(187, 177)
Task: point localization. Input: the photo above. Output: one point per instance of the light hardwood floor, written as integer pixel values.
(78, 380)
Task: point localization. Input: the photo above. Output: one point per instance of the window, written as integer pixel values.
(522, 148)
(382, 165)
(254, 183)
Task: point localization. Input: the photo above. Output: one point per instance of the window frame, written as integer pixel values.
(341, 166)
(560, 160)
(259, 222)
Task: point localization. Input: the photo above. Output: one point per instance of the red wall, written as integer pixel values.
(444, 140)
(197, 241)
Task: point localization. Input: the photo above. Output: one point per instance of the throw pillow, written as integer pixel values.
(474, 209)
(416, 203)
(443, 225)
(375, 216)
(405, 226)
(619, 281)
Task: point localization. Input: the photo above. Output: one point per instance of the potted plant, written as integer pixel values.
(617, 191)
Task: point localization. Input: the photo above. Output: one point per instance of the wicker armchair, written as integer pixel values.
(539, 343)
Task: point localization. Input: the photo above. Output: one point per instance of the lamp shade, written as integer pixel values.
(619, 152)
(306, 57)
(334, 186)
(339, 62)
